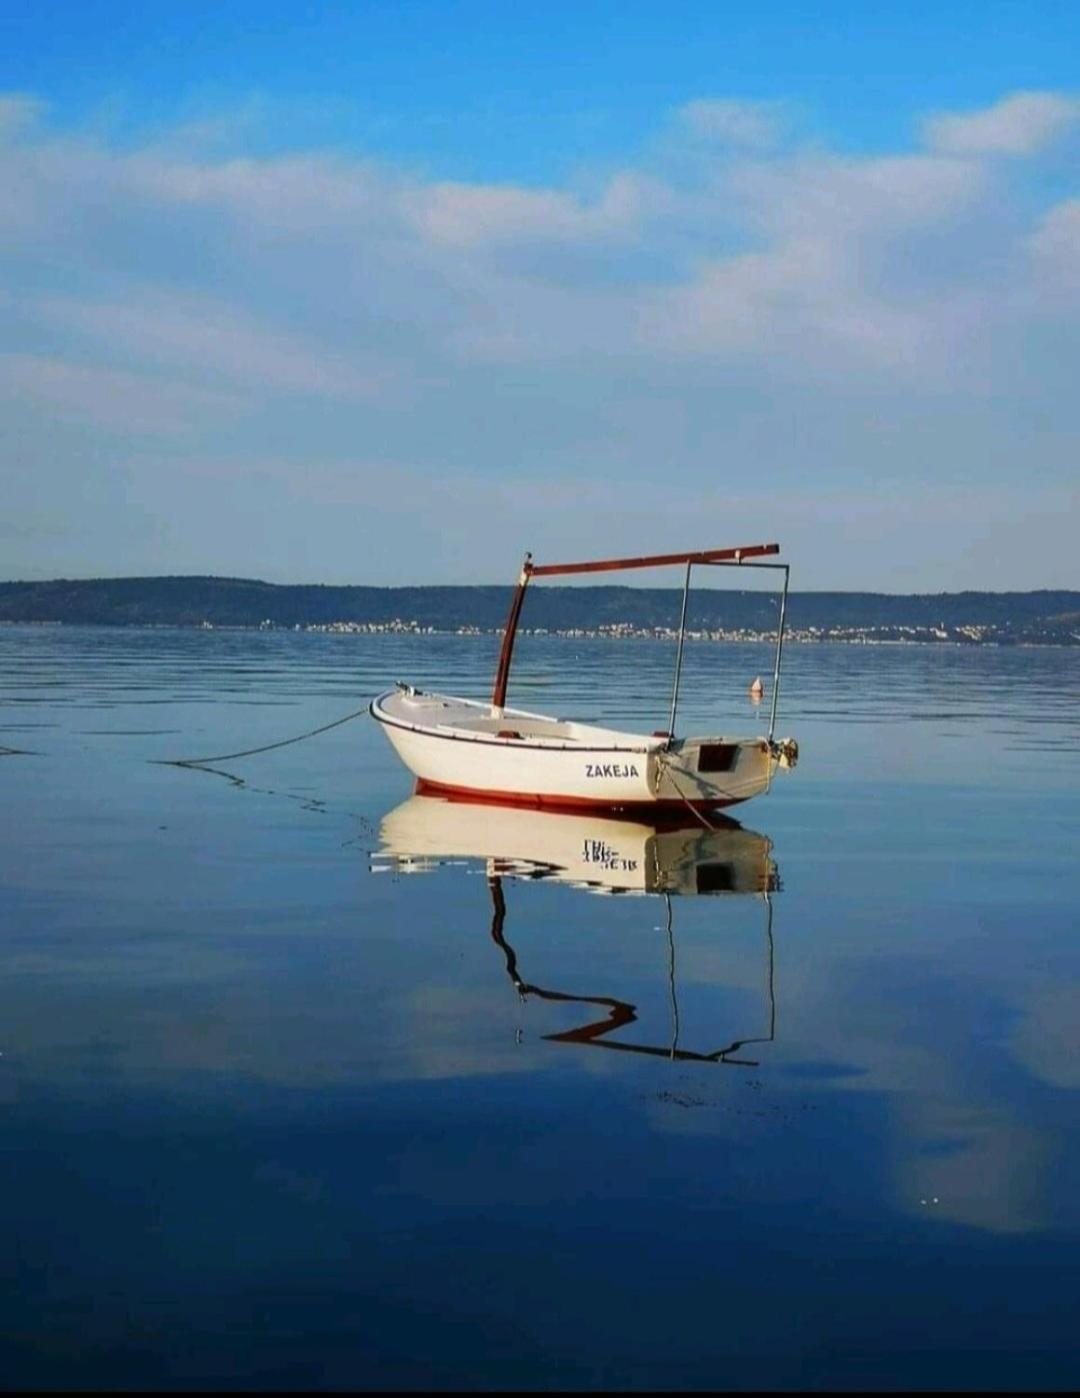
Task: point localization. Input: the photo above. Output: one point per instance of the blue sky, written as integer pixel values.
(495, 91)
(392, 292)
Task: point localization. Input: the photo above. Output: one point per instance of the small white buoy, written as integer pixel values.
(757, 689)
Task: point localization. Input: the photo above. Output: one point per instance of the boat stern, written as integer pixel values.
(719, 771)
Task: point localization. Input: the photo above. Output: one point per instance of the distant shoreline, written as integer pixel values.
(791, 637)
(614, 612)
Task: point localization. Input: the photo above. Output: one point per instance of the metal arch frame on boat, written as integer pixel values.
(724, 558)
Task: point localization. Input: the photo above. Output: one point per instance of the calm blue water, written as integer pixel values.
(277, 1113)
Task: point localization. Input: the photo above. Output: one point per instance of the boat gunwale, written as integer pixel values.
(531, 743)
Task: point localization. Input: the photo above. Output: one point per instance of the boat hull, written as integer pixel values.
(568, 804)
(473, 752)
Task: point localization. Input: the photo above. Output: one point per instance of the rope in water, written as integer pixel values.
(267, 747)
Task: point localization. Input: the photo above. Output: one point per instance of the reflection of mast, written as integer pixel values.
(771, 982)
(671, 975)
(621, 1012)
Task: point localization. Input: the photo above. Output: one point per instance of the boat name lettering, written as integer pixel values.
(610, 769)
(600, 852)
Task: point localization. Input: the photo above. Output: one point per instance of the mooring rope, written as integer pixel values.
(665, 769)
(250, 752)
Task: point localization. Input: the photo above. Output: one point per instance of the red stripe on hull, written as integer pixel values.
(561, 803)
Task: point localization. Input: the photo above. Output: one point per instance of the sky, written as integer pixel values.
(390, 293)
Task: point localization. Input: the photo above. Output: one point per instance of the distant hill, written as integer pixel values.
(1049, 616)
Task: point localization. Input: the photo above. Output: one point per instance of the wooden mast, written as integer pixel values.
(502, 674)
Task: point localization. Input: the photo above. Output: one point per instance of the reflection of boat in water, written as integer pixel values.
(597, 854)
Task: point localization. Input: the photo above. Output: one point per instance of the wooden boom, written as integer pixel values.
(529, 569)
(657, 560)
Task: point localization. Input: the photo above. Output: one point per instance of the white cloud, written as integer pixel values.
(17, 112)
(109, 398)
(695, 303)
(1055, 247)
(837, 275)
(208, 338)
(459, 215)
(1018, 125)
(751, 124)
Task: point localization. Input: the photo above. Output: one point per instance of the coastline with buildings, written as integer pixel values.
(626, 631)
(603, 613)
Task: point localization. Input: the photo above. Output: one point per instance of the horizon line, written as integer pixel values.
(508, 585)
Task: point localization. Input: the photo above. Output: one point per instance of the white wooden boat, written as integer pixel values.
(489, 751)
